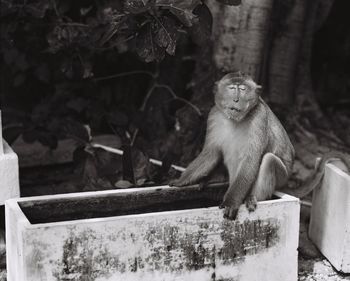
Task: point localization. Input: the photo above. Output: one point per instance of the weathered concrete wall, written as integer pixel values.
(330, 218)
(194, 244)
(9, 181)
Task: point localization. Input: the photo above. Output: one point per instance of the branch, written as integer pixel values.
(136, 72)
(142, 109)
(176, 97)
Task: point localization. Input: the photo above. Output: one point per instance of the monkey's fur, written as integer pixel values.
(244, 133)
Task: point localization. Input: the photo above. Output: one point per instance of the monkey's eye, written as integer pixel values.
(231, 86)
(242, 87)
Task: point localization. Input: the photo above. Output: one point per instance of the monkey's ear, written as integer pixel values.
(258, 89)
(216, 87)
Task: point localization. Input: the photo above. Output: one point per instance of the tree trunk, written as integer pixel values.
(316, 14)
(239, 35)
(288, 71)
(286, 41)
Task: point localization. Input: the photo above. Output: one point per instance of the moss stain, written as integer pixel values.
(87, 257)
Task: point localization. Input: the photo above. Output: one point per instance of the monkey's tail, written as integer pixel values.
(315, 178)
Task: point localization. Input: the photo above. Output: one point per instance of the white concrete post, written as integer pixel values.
(9, 180)
(1, 144)
(330, 218)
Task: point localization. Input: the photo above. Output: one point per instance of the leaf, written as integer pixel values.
(230, 2)
(137, 6)
(201, 30)
(181, 9)
(141, 163)
(141, 182)
(146, 47)
(123, 184)
(108, 163)
(167, 34)
(89, 170)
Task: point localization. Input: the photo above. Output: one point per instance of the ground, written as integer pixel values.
(318, 270)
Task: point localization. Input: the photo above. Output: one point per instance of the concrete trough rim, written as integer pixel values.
(13, 204)
(339, 171)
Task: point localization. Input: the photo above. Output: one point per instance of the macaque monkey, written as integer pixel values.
(244, 133)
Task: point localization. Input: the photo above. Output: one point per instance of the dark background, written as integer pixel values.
(141, 74)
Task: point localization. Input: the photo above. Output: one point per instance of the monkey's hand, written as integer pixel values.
(179, 182)
(251, 203)
(230, 212)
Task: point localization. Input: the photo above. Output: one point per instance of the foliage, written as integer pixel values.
(55, 56)
(149, 27)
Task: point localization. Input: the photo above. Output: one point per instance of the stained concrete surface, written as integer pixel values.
(309, 270)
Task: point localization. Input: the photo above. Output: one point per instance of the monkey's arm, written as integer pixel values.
(200, 167)
(241, 185)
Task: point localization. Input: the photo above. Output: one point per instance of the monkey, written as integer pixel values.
(244, 134)
(247, 137)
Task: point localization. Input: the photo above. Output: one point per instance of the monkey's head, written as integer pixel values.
(236, 94)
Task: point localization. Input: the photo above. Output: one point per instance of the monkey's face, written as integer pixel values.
(236, 98)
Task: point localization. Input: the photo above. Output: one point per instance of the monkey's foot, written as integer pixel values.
(251, 203)
(178, 183)
(202, 185)
(230, 212)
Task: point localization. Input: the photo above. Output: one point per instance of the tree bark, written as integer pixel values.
(286, 41)
(239, 35)
(316, 13)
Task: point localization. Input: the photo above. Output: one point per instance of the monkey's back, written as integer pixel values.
(278, 140)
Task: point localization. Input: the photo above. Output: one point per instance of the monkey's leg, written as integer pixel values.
(241, 181)
(199, 168)
(272, 174)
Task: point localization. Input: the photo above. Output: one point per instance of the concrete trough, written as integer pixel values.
(150, 234)
(330, 218)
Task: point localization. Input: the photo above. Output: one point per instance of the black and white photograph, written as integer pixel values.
(174, 140)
